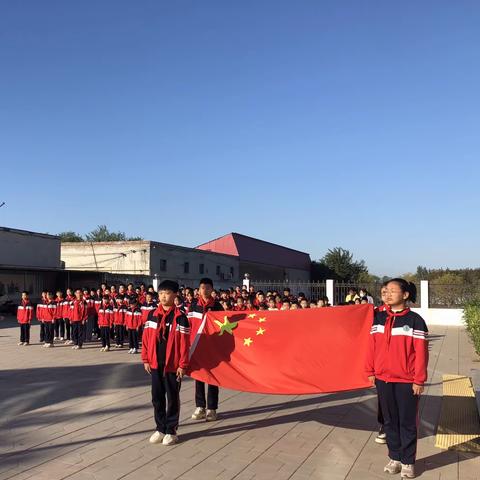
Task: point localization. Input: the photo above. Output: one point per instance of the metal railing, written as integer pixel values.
(312, 290)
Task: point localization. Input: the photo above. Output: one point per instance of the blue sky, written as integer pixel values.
(312, 124)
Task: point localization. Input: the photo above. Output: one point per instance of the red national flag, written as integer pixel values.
(283, 352)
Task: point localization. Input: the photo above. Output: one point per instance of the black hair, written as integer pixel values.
(406, 287)
(25, 292)
(206, 281)
(78, 289)
(105, 297)
(168, 285)
(286, 289)
(260, 292)
(285, 300)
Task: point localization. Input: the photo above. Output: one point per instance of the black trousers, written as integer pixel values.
(25, 332)
(59, 328)
(67, 329)
(379, 412)
(105, 334)
(78, 333)
(42, 332)
(400, 413)
(119, 337)
(211, 402)
(89, 327)
(133, 338)
(166, 401)
(49, 332)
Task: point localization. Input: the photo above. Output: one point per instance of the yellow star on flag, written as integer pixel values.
(226, 326)
(261, 331)
(261, 320)
(252, 315)
(247, 342)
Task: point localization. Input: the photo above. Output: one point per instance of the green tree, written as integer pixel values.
(340, 261)
(103, 234)
(70, 237)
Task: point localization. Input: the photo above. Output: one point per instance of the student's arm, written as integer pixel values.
(420, 345)
(183, 326)
(370, 358)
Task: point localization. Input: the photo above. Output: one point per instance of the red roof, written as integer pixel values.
(253, 250)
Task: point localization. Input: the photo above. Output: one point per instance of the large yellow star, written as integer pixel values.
(247, 342)
(261, 320)
(226, 326)
(252, 315)
(261, 331)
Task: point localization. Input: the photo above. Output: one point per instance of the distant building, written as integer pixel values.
(262, 260)
(153, 260)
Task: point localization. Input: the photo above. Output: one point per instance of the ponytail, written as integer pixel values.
(408, 287)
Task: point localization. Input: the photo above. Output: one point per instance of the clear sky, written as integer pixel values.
(312, 123)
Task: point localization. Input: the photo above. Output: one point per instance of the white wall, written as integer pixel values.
(441, 316)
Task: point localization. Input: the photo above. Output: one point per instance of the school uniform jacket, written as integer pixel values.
(25, 312)
(62, 308)
(147, 311)
(40, 311)
(78, 311)
(68, 310)
(398, 350)
(178, 342)
(119, 314)
(50, 312)
(105, 316)
(133, 318)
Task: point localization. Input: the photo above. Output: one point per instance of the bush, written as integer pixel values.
(471, 318)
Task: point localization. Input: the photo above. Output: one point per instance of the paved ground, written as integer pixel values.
(86, 415)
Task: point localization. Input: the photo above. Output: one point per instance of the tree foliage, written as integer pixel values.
(339, 264)
(70, 237)
(99, 234)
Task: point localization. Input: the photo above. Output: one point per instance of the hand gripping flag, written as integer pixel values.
(283, 352)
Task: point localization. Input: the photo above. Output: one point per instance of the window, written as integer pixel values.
(218, 269)
(201, 269)
(163, 265)
(186, 267)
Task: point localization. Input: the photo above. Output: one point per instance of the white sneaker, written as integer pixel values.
(136, 350)
(26, 344)
(20, 343)
(50, 345)
(102, 349)
(62, 339)
(130, 351)
(169, 439)
(211, 415)
(157, 437)
(393, 467)
(199, 414)
(408, 471)
(55, 338)
(106, 349)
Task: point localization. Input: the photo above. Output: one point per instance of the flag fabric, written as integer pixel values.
(283, 352)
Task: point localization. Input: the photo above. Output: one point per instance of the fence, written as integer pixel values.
(451, 296)
(312, 290)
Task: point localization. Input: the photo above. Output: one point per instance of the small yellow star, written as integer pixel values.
(247, 342)
(261, 331)
(261, 320)
(252, 315)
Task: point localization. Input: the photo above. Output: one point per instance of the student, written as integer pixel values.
(119, 321)
(59, 325)
(40, 312)
(239, 305)
(133, 320)
(381, 437)
(49, 320)
(352, 295)
(69, 298)
(165, 351)
(272, 305)
(78, 318)
(304, 303)
(149, 308)
(285, 304)
(397, 364)
(199, 307)
(24, 318)
(105, 321)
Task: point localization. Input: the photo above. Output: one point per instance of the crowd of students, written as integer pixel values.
(396, 362)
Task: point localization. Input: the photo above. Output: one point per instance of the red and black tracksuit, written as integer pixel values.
(41, 308)
(105, 321)
(24, 318)
(133, 320)
(195, 315)
(398, 358)
(49, 320)
(78, 318)
(61, 313)
(119, 323)
(165, 347)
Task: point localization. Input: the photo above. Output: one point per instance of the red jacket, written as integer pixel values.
(78, 311)
(98, 304)
(398, 350)
(133, 318)
(25, 312)
(40, 312)
(119, 315)
(50, 311)
(105, 316)
(178, 343)
(147, 312)
(62, 309)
